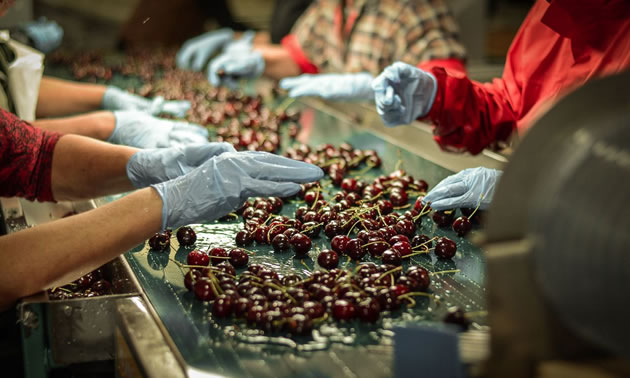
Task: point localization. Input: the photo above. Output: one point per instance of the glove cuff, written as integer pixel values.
(115, 137)
(162, 192)
(430, 85)
(109, 97)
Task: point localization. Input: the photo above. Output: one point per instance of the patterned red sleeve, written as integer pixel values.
(25, 159)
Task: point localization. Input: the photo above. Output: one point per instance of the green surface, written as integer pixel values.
(231, 348)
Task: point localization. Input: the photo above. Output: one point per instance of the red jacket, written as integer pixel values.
(25, 159)
(560, 45)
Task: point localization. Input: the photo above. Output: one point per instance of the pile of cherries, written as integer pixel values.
(89, 285)
(360, 219)
(239, 119)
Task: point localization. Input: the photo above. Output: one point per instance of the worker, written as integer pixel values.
(196, 52)
(176, 186)
(43, 34)
(128, 119)
(560, 45)
(347, 43)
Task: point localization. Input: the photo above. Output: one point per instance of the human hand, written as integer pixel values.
(468, 188)
(403, 93)
(242, 44)
(46, 35)
(356, 86)
(196, 52)
(230, 66)
(152, 166)
(138, 129)
(117, 99)
(223, 183)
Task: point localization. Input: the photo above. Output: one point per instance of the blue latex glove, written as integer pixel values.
(46, 35)
(244, 43)
(223, 183)
(138, 129)
(116, 99)
(403, 93)
(356, 87)
(465, 189)
(236, 64)
(152, 166)
(196, 52)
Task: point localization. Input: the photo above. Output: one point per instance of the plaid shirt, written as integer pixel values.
(369, 35)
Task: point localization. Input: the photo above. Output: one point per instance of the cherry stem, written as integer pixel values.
(347, 262)
(426, 242)
(402, 207)
(473, 314)
(374, 242)
(321, 318)
(389, 272)
(419, 294)
(445, 272)
(316, 199)
(478, 204)
(306, 266)
(417, 253)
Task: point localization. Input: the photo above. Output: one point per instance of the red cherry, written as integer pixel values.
(197, 257)
(392, 257)
(244, 238)
(186, 236)
(301, 244)
(328, 259)
(343, 310)
(420, 275)
(338, 243)
(280, 242)
(217, 252)
(462, 225)
(160, 241)
(204, 289)
(238, 258)
(445, 248)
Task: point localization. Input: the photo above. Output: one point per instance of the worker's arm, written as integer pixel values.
(278, 61)
(61, 97)
(98, 125)
(58, 252)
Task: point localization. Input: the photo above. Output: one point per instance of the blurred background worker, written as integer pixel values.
(352, 41)
(560, 45)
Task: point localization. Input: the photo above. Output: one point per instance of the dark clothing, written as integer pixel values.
(285, 13)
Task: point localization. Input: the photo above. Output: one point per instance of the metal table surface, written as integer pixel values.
(230, 348)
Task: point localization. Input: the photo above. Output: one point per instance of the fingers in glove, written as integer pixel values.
(199, 153)
(442, 192)
(264, 188)
(265, 166)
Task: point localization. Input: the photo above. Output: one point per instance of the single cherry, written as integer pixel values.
(238, 258)
(217, 254)
(186, 236)
(160, 241)
(462, 225)
(301, 244)
(328, 259)
(197, 257)
(445, 248)
(244, 238)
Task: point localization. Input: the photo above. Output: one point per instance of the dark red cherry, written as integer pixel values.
(301, 244)
(332, 229)
(197, 257)
(376, 246)
(204, 289)
(392, 257)
(405, 227)
(462, 225)
(299, 324)
(160, 241)
(403, 248)
(217, 254)
(280, 243)
(355, 250)
(223, 306)
(328, 259)
(421, 242)
(190, 278)
(443, 218)
(420, 275)
(369, 310)
(244, 238)
(457, 317)
(101, 286)
(238, 258)
(186, 236)
(445, 248)
(338, 243)
(343, 310)
(398, 238)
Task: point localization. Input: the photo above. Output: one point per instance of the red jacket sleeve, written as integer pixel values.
(25, 159)
(468, 115)
(292, 45)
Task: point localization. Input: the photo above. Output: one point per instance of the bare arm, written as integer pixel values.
(98, 125)
(61, 97)
(87, 168)
(278, 61)
(63, 250)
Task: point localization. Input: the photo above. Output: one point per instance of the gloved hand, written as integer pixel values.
(152, 166)
(242, 44)
(196, 52)
(46, 35)
(138, 129)
(403, 93)
(357, 86)
(117, 99)
(229, 67)
(467, 188)
(223, 183)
